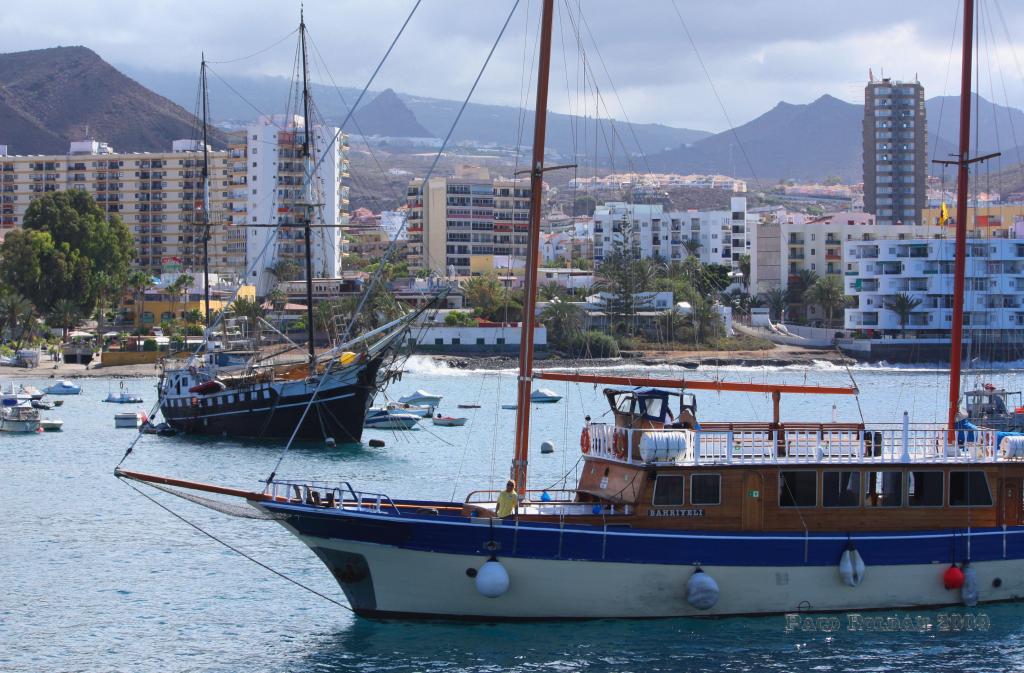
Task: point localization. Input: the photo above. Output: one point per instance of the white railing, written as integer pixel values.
(329, 495)
(905, 443)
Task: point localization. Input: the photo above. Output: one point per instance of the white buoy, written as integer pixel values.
(851, 567)
(330, 442)
(969, 590)
(547, 447)
(492, 579)
(701, 590)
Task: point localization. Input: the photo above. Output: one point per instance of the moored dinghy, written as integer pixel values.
(449, 421)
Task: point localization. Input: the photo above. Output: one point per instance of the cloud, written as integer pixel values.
(757, 52)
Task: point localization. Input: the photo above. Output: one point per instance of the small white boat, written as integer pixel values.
(123, 397)
(33, 392)
(469, 406)
(391, 421)
(422, 397)
(129, 419)
(449, 421)
(19, 418)
(402, 408)
(64, 388)
(544, 396)
(51, 424)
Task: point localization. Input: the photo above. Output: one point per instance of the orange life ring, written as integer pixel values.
(585, 440)
(619, 444)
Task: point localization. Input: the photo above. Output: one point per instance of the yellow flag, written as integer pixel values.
(943, 214)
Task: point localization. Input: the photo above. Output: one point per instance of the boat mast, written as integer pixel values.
(960, 261)
(529, 318)
(206, 196)
(308, 190)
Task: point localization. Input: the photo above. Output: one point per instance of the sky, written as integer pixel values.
(756, 52)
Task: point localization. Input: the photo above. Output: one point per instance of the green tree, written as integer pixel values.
(775, 298)
(26, 318)
(277, 299)
(584, 205)
(139, 282)
(828, 293)
(77, 251)
(564, 321)
(745, 269)
(484, 293)
(459, 319)
(285, 269)
(549, 291)
(177, 290)
(64, 314)
(247, 308)
(799, 286)
(705, 321)
(903, 305)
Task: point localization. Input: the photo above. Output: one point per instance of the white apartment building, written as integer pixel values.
(784, 244)
(650, 231)
(923, 268)
(158, 195)
(275, 191)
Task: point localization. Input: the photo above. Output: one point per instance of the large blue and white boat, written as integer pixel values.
(675, 514)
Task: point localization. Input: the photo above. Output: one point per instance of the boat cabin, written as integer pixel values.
(992, 402)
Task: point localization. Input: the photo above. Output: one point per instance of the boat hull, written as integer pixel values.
(274, 410)
(417, 569)
(19, 425)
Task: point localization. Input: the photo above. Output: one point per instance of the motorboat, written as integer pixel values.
(123, 396)
(33, 392)
(399, 407)
(449, 421)
(129, 419)
(41, 405)
(391, 421)
(469, 406)
(162, 429)
(544, 396)
(19, 418)
(51, 424)
(63, 388)
(422, 397)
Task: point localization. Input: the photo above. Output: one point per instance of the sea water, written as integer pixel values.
(95, 577)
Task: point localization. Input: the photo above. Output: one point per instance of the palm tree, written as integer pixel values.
(178, 289)
(246, 308)
(776, 300)
(704, 320)
(277, 298)
(25, 313)
(692, 247)
(139, 282)
(484, 293)
(903, 304)
(745, 270)
(800, 286)
(549, 291)
(64, 314)
(828, 293)
(564, 321)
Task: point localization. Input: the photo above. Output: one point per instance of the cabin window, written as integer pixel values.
(653, 407)
(840, 489)
(668, 491)
(883, 489)
(798, 488)
(706, 489)
(969, 489)
(924, 489)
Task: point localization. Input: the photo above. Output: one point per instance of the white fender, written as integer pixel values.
(701, 590)
(492, 579)
(969, 590)
(851, 567)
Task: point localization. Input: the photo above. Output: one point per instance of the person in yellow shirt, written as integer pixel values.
(507, 500)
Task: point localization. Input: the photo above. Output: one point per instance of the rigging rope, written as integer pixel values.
(233, 548)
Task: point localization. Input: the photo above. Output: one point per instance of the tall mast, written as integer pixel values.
(960, 261)
(536, 187)
(308, 190)
(206, 197)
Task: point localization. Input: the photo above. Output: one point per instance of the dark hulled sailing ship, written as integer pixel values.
(232, 388)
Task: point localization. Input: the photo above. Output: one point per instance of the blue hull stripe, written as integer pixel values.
(620, 544)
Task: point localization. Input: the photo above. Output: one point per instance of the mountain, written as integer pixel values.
(49, 97)
(240, 99)
(387, 115)
(807, 141)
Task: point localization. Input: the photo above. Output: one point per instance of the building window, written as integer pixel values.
(840, 489)
(668, 491)
(480, 341)
(438, 342)
(798, 488)
(924, 489)
(969, 489)
(706, 489)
